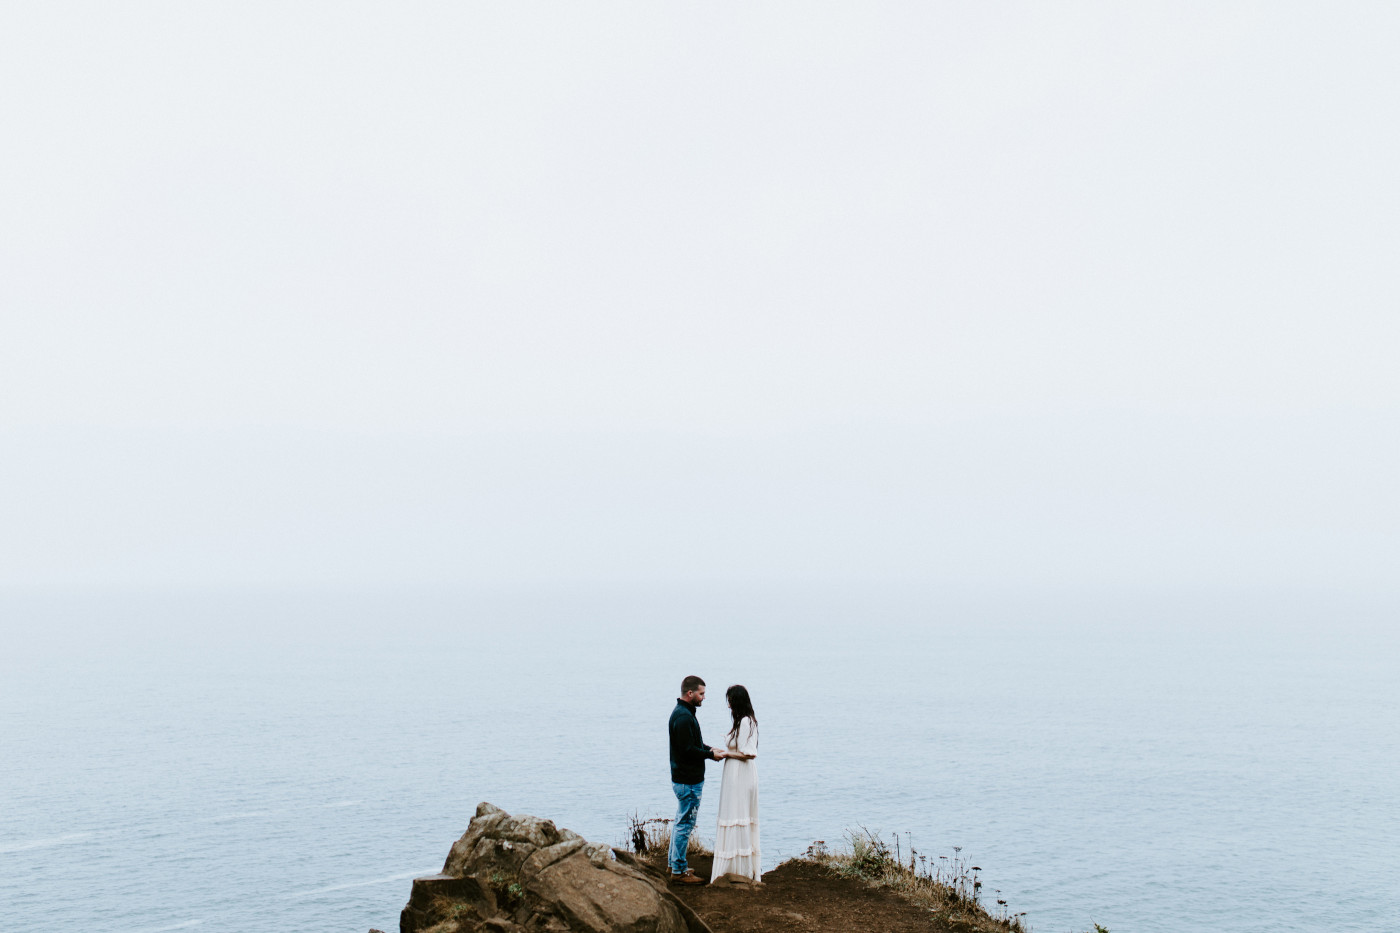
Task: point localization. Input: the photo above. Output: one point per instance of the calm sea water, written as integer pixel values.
(235, 762)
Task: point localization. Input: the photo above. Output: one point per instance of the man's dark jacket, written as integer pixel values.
(688, 750)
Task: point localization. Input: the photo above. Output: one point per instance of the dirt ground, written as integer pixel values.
(800, 897)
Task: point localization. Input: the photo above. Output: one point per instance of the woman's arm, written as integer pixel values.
(748, 738)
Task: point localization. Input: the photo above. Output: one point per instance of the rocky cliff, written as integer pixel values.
(521, 874)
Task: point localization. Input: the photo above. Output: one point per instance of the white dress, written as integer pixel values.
(736, 838)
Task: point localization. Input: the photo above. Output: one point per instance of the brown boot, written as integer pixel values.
(688, 877)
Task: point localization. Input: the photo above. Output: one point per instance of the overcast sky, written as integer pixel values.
(1096, 294)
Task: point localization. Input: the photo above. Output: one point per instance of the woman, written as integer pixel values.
(736, 838)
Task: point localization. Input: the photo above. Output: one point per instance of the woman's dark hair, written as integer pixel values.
(739, 706)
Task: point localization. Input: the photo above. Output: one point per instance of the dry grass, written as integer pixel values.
(652, 836)
(948, 886)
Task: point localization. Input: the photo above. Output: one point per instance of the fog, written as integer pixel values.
(945, 294)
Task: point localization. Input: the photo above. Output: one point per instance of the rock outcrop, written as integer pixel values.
(520, 874)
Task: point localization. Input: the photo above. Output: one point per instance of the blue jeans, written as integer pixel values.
(688, 800)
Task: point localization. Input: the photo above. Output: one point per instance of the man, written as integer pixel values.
(688, 756)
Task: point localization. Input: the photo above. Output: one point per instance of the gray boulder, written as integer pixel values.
(521, 874)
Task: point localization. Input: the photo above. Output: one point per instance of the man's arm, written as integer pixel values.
(692, 746)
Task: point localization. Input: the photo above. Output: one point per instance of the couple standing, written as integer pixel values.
(736, 837)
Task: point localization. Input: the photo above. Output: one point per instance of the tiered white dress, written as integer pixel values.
(736, 838)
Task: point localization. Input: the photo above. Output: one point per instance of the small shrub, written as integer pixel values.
(652, 837)
(870, 856)
(509, 893)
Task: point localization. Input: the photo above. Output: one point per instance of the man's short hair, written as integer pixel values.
(691, 683)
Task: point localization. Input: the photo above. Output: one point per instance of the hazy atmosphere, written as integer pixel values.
(954, 294)
(398, 400)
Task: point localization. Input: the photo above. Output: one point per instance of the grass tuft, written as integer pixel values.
(652, 836)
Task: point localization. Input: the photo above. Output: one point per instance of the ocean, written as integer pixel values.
(1154, 763)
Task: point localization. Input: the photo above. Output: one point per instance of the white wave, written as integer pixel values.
(360, 884)
(174, 926)
(235, 816)
(341, 803)
(43, 843)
